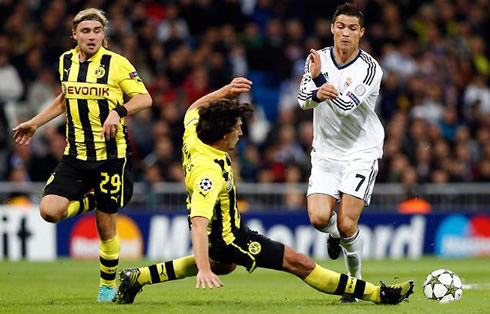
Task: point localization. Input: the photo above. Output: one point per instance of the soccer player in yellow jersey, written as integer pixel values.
(98, 153)
(220, 239)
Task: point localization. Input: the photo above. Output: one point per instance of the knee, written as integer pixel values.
(347, 226)
(319, 220)
(50, 213)
(298, 264)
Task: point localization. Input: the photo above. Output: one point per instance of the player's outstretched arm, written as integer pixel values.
(23, 132)
(236, 87)
(205, 276)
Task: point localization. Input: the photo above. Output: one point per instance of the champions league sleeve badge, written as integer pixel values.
(206, 185)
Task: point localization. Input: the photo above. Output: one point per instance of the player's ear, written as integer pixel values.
(331, 28)
(362, 31)
(73, 34)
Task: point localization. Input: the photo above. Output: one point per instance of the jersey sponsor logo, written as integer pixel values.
(360, 90)
(254, 248)
(354, 98)
(100, 71)
(76, 90)
(206, 185)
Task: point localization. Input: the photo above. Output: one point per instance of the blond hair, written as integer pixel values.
(91, 14)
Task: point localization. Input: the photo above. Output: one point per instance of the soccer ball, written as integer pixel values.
(443, 285)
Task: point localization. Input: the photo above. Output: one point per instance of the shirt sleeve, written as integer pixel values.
(365, 84)
(206, 185)
(307, 90)
(191, 118)
(129, 80)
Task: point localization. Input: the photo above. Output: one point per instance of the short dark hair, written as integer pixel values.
(349, 9)
(219, 117)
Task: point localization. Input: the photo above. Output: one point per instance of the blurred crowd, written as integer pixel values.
(434, 101)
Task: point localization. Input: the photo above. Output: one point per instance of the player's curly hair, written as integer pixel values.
(349, 9)
(219, 117)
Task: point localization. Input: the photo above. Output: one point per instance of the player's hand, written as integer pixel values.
(315, 63)
(327, 91)
(23, 132)
(207, 279)
(109, 129)
(238, 86)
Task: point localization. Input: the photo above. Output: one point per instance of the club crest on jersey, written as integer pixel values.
(348, 81)
(100, 71)
(254, 248)
(206, 185)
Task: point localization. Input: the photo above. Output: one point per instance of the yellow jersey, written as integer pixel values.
(211, 191)
(92, 89)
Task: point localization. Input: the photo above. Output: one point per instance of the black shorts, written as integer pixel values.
(112, 181)
(250, 249)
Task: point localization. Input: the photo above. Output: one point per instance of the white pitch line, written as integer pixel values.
(476, 286)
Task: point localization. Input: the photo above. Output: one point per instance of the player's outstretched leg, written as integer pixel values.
(394, 294)
(331, 282)
(133, 280)
(129, 287)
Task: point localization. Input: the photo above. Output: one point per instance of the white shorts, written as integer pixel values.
(336, 177)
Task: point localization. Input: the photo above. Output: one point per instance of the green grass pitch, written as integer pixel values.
(67, 286)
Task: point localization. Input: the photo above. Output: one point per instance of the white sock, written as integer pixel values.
(331, 228)
(352, 248)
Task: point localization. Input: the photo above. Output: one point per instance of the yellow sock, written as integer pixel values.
(87, 203)
(172, 270)
(332, 282)
(109, 260)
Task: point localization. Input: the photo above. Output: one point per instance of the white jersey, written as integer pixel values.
(346, 127)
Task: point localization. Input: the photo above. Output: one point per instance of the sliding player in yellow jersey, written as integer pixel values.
(98, 153)
(221, 240)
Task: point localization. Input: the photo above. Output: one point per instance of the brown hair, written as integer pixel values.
(218, 119)
(349, 9)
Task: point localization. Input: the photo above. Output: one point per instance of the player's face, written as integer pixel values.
(231, 139)
(347, 32)
(89, 36)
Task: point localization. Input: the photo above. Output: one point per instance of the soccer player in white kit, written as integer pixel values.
(341, 84)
